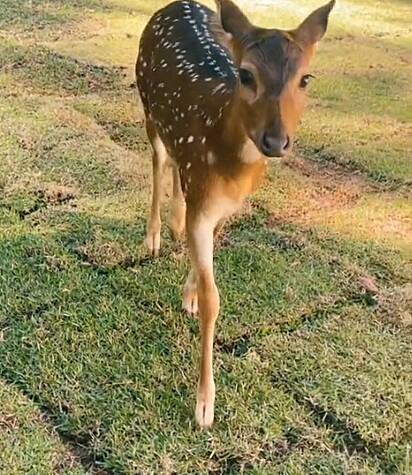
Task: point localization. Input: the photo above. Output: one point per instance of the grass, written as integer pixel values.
(29, 443)
(98, 365)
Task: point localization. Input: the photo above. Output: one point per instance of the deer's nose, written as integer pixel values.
(274, 146)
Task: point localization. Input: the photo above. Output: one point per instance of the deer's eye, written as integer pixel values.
(304, 81)
(246, 78)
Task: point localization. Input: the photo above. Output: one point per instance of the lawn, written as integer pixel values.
(98, 364)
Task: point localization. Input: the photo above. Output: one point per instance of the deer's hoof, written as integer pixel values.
(189, 302)
(205, 408)
(177, 229)
(152, 242)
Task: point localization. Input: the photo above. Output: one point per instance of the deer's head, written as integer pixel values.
(273, 73)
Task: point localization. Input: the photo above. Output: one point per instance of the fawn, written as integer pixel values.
(220, 97)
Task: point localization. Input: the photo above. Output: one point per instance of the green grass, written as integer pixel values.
(98, 365)
(29, 444)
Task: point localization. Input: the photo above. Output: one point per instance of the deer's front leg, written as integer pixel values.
(199, 230)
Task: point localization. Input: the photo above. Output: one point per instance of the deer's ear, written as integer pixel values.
(311, 30)
(233, 21)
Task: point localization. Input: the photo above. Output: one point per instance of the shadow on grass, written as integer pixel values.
(347, 440)
(41, 14)
(46, 271)
(77, 446)
(325, 156)
(130, 134)
(91, 340)
(55, 73)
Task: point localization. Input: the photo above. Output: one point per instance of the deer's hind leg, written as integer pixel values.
(159, 160)
(178, 209)
(189, 302)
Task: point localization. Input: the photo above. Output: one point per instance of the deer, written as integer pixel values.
(221, 98)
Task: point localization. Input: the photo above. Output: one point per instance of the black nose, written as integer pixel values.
(273, 146)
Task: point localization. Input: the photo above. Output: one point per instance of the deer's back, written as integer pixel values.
(185, 77)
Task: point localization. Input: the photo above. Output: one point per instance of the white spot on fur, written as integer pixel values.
(218, 88)
(211, 159)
